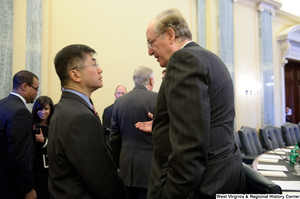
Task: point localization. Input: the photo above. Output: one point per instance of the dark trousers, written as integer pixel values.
(136, 193)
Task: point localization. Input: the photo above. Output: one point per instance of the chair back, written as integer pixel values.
(274, 133)
(257, 183)
(250, 141)
(238, 141)
(290, 133)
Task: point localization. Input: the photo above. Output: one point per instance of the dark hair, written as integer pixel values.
(67, 58)
(39, 104)
(22, 77)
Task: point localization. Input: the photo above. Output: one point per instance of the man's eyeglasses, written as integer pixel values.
(35, 88)
(96, 64)
(150, 43)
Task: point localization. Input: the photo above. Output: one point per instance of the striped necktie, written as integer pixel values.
(95, 110)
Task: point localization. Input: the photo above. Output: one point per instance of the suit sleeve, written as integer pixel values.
(105, 119)
(20, 149)
(86, 150)
(115, 138)
(188, 104)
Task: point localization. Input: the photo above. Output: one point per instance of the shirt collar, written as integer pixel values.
(186, 44)
(83, 96)
(22, 98)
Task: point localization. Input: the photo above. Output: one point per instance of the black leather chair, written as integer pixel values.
(250, 143)
(258, 184)
(290, 133)
(275, 134)
(238, 141)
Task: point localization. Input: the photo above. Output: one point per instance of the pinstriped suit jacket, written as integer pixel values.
(195, 155)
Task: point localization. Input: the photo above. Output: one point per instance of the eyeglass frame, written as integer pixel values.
(35, 88)
(149, 43)
(96, 64)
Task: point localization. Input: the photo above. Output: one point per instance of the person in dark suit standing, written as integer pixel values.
(16, 138)
(106, 116)
(195, 155)
(133, 146)
(80, 163)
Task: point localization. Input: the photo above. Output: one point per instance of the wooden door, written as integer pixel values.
(292, 89)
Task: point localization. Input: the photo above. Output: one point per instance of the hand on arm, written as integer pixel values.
(145, 126)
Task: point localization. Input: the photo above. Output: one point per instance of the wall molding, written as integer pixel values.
(269, 6)
(289, 40)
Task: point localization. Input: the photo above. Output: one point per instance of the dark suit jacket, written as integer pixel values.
(16, 148)
(136, 146)
(195, 154)
(287, 119)
(80, 165)
(106, 117)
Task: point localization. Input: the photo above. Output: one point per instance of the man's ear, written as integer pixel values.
(151, 81)
(23, 86)
(75, 75)
(170, 33)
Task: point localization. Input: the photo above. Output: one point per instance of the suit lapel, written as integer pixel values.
(78, 98)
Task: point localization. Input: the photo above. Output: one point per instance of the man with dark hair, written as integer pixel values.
(16, 139)
(134, 147)
(195, 154)
(80, 163)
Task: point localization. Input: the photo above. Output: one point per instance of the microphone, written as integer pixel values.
(284, 158)
(288, 138)
(276, 145)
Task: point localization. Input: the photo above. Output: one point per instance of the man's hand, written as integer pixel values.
(145, 126)
(31, 195)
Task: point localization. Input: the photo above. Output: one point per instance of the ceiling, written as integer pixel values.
(291, 6)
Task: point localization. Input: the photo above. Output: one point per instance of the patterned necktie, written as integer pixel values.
(95, 110)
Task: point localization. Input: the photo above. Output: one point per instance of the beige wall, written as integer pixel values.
(116, 30)
(246, 64)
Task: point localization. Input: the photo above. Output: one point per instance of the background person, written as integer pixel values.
(16, 140)
(132, 148)
(80, 163)
(42, 112)
(287, 110)
(106, 116)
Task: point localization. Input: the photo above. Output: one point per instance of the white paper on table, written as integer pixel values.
(288, 185)
(290, 147)
(277, 152)
(282, 149)
(291, 192)
(273, 173)
(272, 167)
(267, 160)
(272, 156)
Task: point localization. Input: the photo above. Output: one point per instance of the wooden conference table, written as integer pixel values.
(280, 172)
